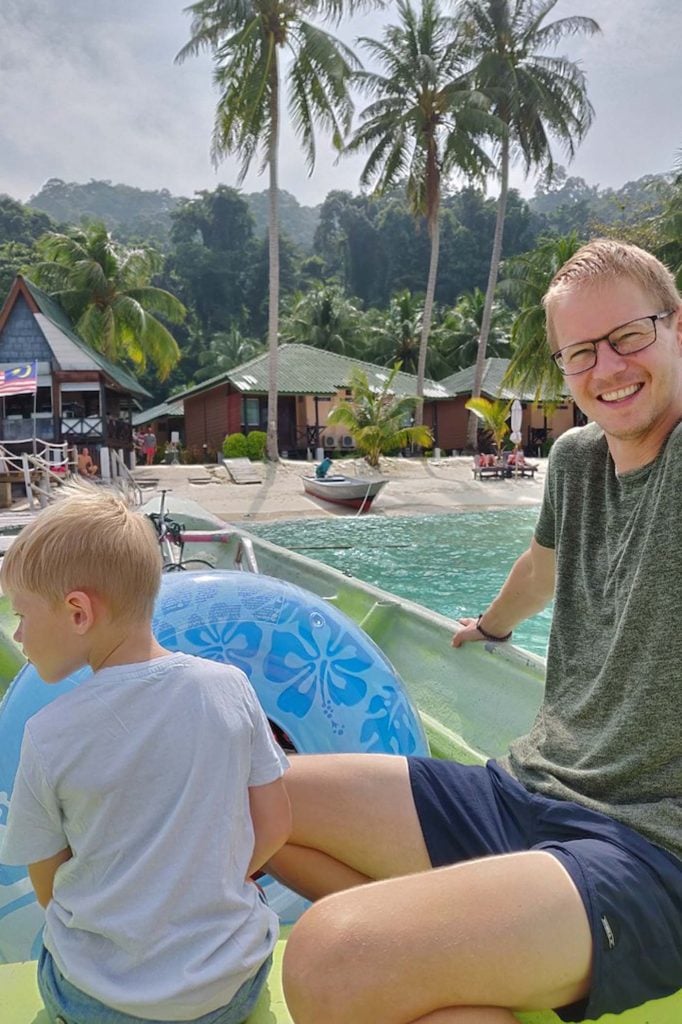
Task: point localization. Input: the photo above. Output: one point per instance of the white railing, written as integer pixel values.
(38, 470)
(123, 479)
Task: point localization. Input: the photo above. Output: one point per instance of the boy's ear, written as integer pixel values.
(81, 609)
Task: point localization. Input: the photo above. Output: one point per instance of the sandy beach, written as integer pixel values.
(415, 487)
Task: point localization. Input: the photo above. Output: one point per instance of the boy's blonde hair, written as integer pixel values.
(90, 540)
(606, 259)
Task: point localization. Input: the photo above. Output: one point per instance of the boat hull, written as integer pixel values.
(352, 492)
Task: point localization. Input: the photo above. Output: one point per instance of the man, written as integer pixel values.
(557, 878)
(86, 467)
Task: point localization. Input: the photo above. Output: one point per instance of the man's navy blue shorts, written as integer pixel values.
(631, 889)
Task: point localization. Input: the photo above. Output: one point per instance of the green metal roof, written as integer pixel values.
(56, 315)
(306, 370)
(462, 382)
(156, 412)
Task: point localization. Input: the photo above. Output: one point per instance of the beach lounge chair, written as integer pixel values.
(519, 467)
(483, 471)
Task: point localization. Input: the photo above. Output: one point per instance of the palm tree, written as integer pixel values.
(104, 289)
(225, 350)
(670, 225)
(377, 418)
(326, 318)
(394, 335)
(245, 38)
(526, 279)
(494, 415)
(458, 332)
(534, 96)
(424, 123)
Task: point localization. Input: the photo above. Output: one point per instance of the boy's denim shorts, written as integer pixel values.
(66, 1004)
(631, 889)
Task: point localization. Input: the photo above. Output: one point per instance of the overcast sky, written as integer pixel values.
(88, 89)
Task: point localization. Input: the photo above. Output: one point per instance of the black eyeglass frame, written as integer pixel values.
(654, 317)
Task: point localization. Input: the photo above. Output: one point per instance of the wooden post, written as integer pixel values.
(27, 479)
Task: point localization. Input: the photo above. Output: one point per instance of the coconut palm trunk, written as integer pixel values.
(244, 40)
(434, 231)
(472, 427)
(272, 446)
(424, 123)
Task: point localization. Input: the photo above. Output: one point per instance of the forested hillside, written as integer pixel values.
(353, 270)
(136, 214)
(133, 214)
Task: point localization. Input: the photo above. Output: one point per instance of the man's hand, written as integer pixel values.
(467, 634)
(527, 589)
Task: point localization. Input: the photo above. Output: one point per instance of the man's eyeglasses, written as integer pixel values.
(627, 339)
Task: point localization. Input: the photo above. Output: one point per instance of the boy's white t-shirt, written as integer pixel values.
(144, 770)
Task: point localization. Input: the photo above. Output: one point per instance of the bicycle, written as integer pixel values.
(172, 537)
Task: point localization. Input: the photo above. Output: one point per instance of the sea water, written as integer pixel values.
(454, 564)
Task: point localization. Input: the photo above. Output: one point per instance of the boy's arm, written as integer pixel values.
(271, 817)
(42, 874)
(527, 589)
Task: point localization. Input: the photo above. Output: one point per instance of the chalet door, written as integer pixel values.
(286, 423)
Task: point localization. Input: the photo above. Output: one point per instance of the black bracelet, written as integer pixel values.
(489, 636)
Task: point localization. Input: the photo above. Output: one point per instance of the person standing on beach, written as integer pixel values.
(149, 446)
(552, 877)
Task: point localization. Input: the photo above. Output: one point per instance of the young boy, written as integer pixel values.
(146, 796)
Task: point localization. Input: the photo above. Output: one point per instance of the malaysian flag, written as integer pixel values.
(19, 380)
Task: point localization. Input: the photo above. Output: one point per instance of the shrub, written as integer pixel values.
(235, 446)
(255, 444)
(193, 456)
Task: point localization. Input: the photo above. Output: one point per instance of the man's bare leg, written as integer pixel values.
(481, 937)
(469, 1015)
(354, 821)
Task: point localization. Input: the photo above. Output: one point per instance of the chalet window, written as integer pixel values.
(80, 400)
(21, 406)
(252, 413)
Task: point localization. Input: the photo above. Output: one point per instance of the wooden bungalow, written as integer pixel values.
(82, 398)
(310, 382)
(540, 421)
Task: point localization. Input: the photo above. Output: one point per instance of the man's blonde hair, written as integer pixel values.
(606, 259)
(91, 540)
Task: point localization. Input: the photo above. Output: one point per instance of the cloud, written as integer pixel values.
(90, 90)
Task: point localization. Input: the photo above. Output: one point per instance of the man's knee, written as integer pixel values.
(321, 975)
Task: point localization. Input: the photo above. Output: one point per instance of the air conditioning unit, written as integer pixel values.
(329, 442)
(348, 442)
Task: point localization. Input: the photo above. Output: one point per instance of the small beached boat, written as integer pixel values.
(351, 491)
(471, 703)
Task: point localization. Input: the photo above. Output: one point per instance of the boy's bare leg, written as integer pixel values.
(354, 820)
(455, 945)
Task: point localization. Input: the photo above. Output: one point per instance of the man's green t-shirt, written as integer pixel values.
(609, 732)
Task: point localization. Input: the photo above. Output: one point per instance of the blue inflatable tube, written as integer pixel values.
(319, 677)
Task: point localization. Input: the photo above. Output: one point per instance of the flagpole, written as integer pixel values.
(35, 414)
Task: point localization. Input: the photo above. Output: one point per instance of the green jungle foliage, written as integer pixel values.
(361, 289)
(565, 204)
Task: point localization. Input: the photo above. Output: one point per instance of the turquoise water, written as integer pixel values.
(454, 564)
